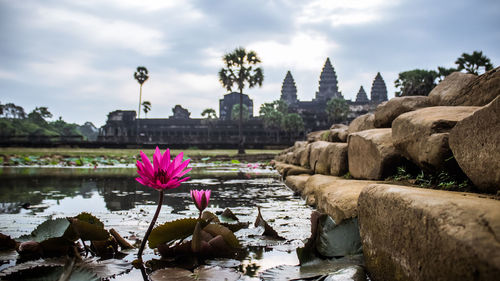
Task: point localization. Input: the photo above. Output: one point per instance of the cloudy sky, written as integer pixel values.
(78, 56)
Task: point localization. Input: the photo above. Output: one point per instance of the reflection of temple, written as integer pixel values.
(179, 130)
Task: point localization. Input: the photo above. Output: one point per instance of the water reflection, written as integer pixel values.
(122, 203)
(28, 189)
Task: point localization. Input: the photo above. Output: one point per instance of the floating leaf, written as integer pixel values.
(55, 247)
(308, 252)
(234, 227)
(228, 235)
(215, 273)
(173, 273)
(228, 214)
(318, 270)
(169, 231)
(224, 262)
(46, 230)
(87, 217)
(268, 230)
(88, 231)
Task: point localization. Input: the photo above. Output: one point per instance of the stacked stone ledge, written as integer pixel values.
(413, 233)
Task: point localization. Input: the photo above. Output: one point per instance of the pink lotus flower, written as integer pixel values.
(163, 174)
(201, 198)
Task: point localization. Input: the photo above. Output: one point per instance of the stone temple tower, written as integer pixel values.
(328, 84)
(361, 96)
(379, 90)
(289, 90)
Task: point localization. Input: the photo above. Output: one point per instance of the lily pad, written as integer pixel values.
(173, 273)
(228, 214)
(170, 231)
(46, 230)
(88, 231)
(317, 270)
(87, 217)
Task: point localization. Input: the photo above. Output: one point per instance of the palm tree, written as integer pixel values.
(146, 107)
(240, 72)
(141, 75)
(472, 63)
(209, 113)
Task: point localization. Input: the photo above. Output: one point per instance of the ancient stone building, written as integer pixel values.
(226, 105)
(313, 112)
(289, 90)
(361, 96)
(379, 90)
(328, 87)
(180, 130)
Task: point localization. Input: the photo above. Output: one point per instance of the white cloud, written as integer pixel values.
(303, 51)
(104, 33)
(343, 12)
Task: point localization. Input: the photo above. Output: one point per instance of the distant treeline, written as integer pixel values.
(16, 124)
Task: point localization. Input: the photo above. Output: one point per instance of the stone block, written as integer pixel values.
(421, 234)
(387, 111)
(361, 123)
(475, 143)
(447, 92)
(422, 135)
(371, 154)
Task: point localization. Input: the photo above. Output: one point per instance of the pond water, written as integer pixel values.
(29, 196)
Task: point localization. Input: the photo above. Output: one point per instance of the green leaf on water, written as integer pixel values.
(170, 231)
(46, 230)
(87, 217)
(235, 161)
(88, 231)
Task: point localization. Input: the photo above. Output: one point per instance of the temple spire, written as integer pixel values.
(328, 83)
(288, 89)
(379, 90)
(361, 96)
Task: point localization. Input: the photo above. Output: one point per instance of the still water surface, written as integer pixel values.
(121, 203)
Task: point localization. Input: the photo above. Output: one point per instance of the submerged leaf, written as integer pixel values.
(170, 231)
(48, 229)
(227, 235)
(336, 240)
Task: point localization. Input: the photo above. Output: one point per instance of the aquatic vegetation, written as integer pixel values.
(201, 199)
(163, 174)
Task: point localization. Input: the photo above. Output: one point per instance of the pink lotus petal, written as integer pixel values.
(147, 164)
(156, 159)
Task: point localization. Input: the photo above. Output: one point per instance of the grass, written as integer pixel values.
(110, 152)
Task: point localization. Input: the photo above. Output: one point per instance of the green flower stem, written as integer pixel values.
(143, 244)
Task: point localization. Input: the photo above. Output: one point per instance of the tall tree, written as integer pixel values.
(146, 107)
(141, 75)
(293, 124)
(417, 82)
(209, 113)
(337, 109)
(240, 71)
(473, 63)
(443, 72)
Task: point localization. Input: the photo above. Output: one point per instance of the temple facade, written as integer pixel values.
(180, 130)
(314, 112)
